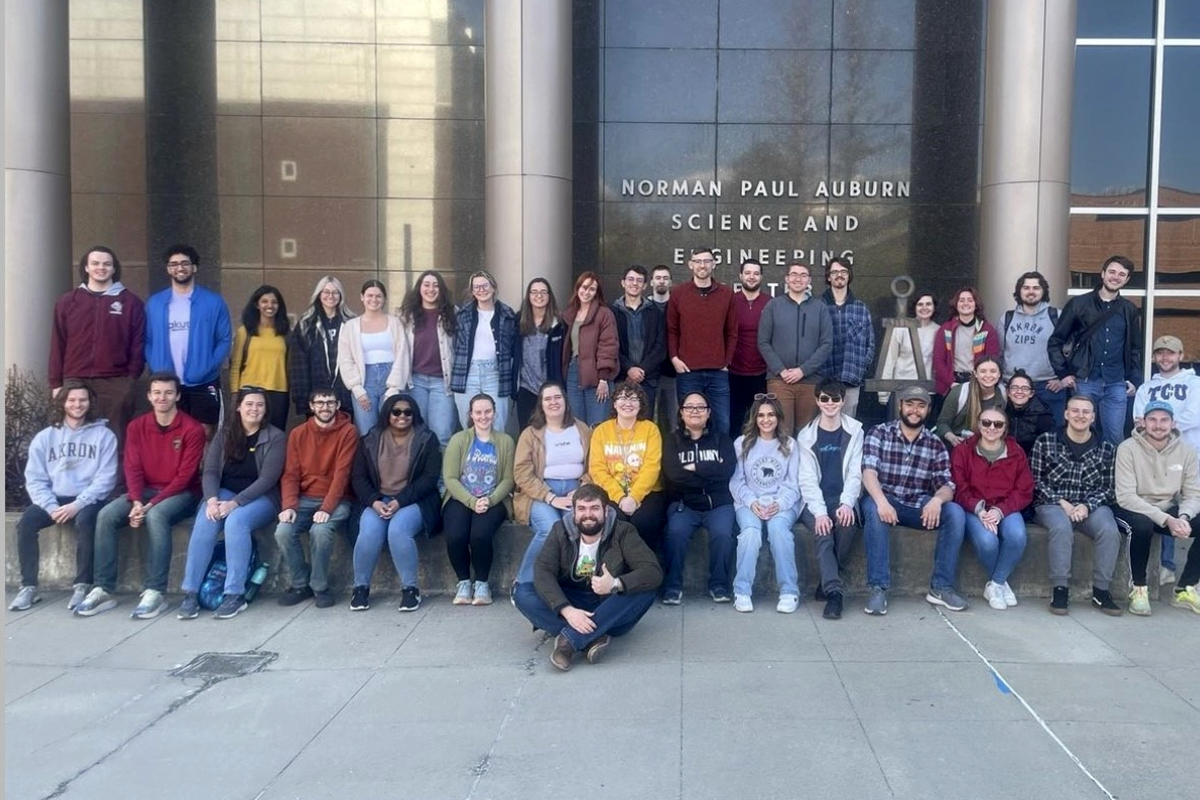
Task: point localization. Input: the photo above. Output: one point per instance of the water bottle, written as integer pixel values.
(256, 581)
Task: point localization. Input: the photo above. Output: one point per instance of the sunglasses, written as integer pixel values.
(992, 423)
(402, 412)
(767, 396)
(825, 398)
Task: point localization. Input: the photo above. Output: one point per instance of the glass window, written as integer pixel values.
(871, 25)
(431, 158)
(319, 157)
(798, 24)
(1111, 129)
(320, 233)
(106, 19)
(318, 80)
(327, 21)
(662, 23)
(444, 22)
(428, 81)
(877, 156)
(1177, 258)
(1177, 316)
(1183, 19)
(1094, 238)
(872, 86)
(782, 162)
(1109, 19)
(660, 85)
(239, 78)
(774, 86)
(1179, 158)
(653, 153)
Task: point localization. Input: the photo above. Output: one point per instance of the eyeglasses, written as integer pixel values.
(992, 423)
(173, 264)
(622, 398)
(1020, 389)
(481, 287)
(824, 398)
(767, 396)
(323, 403)
(538, 293)
(330, 293)
(703, 261)
(839, 272)
(694, 409)
(402, 412)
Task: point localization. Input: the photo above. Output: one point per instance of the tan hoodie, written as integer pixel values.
(1150, 481)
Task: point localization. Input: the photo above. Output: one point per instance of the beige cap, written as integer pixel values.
(1171, 343)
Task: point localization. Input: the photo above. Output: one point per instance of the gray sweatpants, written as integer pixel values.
(1100, 526)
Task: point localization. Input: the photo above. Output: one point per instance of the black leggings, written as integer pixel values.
(650, 519)
(469, 538)
(1142, 531)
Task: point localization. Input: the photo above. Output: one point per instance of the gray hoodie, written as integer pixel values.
(1025, 340)
(793, 334)
(70, 462)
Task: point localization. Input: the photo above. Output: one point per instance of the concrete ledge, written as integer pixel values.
(912, 561)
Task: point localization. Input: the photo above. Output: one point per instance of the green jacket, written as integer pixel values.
(455, 458)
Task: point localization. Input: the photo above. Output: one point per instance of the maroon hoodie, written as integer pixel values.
(97, 335)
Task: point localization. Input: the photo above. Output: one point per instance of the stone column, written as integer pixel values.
(37, 180)
(527, 144)
(1025, 201)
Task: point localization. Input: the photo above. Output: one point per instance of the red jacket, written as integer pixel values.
(987, 343)
(702, 329)
(1006, 484)
(599, 348)
(97, 335)
(746, 358)
(318, 463)
(165, 460)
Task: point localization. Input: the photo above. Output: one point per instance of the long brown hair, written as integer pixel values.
(537, 420)
(526, 324)
(59, 408)
(750, 434)
(584, 277)
(975, 391)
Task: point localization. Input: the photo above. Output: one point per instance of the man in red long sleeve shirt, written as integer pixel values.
(747, 370)
(702, 336)
(162, 474)
(315, 496)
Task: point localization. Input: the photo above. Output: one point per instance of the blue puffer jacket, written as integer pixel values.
(508, 347)
(210, 336)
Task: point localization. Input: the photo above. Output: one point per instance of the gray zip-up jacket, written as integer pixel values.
(793, 334)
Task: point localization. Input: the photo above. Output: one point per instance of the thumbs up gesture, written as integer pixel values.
(602, 582)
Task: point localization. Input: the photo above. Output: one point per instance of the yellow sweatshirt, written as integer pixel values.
(626, 462)
(266, 361)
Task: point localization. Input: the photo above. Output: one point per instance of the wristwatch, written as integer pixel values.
(617, 586)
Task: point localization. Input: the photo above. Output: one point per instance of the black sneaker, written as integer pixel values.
(190, 607)
(325, 599)
(1060, 601)
(293, 596)
(1102, 601)
(819, 594)
(411, 599)
(833, 606)
(231, 606)
(361, 599)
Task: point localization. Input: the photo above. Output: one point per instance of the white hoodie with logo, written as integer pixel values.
(1182, 391)
(71, 462)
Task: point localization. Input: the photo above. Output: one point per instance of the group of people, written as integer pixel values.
(406, 428)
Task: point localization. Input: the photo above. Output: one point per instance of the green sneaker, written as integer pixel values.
(1139, 601)
(1188, 598)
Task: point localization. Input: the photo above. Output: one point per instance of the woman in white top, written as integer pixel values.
(900, 363)
(371, 352)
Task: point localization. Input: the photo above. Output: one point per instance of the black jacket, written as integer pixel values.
(1076, 317)
(708, 486)
(654, 332)
(312, 364)
(424, 469)
(554, 350)
(1026, 424)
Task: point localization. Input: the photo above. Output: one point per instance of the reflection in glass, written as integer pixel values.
(107, 76)
(1111, 126)
(327, 21)
(241, 233)
(441, 22)
(1109, 19)
(318, 80)
(1177, 257)
(320, 233)
(798, 24)
(1178, 316)
(662, 23)
(796, 153)
(1179, 159)
(431, 158)
(441, 234)
(239, 78)
(108, 153)
(1093, 238)
(871, 25)
(656, 152)
(683, 88)
(774, 86)
(319, 156)
(106, 19)
(872, 86)
(1183, 19)
(239, 155)
(238, 21)
(872, 154)
(431, 81)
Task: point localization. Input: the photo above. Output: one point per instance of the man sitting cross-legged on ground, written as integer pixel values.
(906, 475)
(593, 579)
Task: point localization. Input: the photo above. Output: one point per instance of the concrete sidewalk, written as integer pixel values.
(698, 702)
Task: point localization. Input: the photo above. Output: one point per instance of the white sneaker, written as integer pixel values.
(97, 600)
(1010, 597)
(462, 597)
(743, 603)
(994, 595)
(25, 599)
(483, 594)
(150, 605)
(79, 592)
(788, 603)
(1165, 575)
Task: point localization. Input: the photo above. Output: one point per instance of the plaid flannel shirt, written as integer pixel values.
(1057, 475)
(853, 340)
(910, 472)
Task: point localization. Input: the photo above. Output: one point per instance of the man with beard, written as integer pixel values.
(593, 580)
(906, 475)
(666, 405)
(853, 333)
(795, 337)
(747, 371)
(188, 332)
(1024, 333)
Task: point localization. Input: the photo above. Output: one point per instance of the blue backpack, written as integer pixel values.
(212, 589)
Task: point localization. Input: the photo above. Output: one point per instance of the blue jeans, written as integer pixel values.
(239, 529)
(1111, 405)
(483, 377)
(400, 532)
(998, 554)
(613, 614)
(287, 536)
(436, 404)
(542, 517)
(682, 522)
(582, 399)
(375, 384)
(945, 554)
(157, 525)
(715, 385)
(783, 550)
(1055, 401)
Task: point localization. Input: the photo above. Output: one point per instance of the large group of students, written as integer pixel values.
(402, 430)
